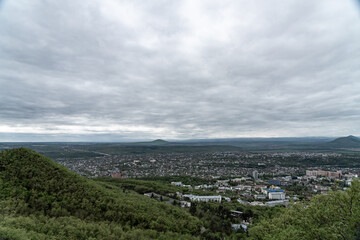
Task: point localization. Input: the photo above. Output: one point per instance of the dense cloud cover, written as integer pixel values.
(107, 70)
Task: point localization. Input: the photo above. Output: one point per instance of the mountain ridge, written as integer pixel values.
(345, 142)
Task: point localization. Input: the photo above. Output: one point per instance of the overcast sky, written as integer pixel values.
(107, 70)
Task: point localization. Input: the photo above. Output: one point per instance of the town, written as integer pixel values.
(210, 164)
(279, 191)
(249, 192)
(251, 178)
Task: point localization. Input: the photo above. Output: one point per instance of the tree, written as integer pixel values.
(192, 209)
(333, 216)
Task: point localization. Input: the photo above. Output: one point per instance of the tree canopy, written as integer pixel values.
(332, 216)
(38, 197)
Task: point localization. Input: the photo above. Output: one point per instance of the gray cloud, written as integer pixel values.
(178, 69)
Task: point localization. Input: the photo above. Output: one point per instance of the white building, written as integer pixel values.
(277, 202)
(185, 204)
(275, 194)
(203, 198)
(243, 202)
(260, 196)
(255, 203)
(227, 199)
(178, 184)
(204, 186)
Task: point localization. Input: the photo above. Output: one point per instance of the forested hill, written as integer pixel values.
(344, 142)
(40, 199)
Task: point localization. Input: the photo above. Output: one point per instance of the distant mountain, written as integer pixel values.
(251, 140)
(159, 142)
(345, 142)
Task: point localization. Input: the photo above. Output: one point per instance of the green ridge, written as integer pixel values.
(40, 199)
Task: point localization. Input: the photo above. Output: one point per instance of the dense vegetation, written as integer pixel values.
(142, 186)
(184, 179)
(40, 199)
(333, 216)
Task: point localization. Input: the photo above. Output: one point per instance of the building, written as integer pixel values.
(275, 194)
(336, 174)
(236, 214)
(310, 173)
(178, 184)
(256, 203)
(318, 173)
(227, 199)
(277, 202)
(260, 187)
(204, 186)
(350, 176)
(220, 191)
(243, 179)
(255, 175)
(185, 204)
(262, 197)
(237, 227)
(195, 198)
(275, 182)
(243, 202)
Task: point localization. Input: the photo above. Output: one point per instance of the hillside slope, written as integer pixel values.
(40, 199)
(331, 217)
(344, 142)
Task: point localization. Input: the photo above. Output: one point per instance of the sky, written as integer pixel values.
(111, 70)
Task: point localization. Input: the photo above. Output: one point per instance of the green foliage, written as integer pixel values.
(184, 179)
(141, 186)
(332, 216)
(34, 191)
(64, 228)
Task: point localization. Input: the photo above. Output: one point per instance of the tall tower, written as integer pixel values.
(255, 175)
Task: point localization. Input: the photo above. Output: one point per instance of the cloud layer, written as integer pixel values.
(178, 69)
